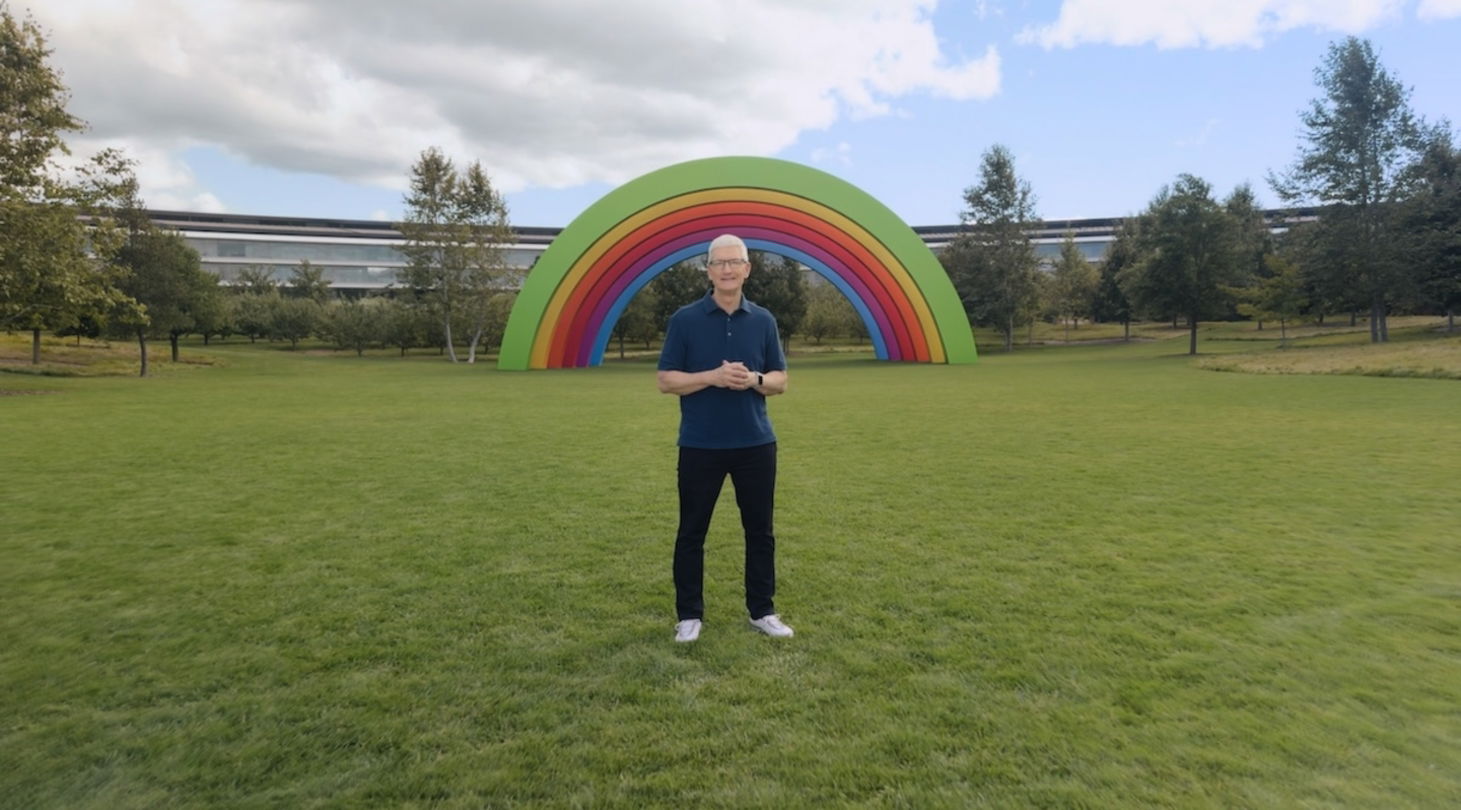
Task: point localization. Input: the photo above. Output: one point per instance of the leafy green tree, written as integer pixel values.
(675, 287)
(55, 271)
(354, 323)
(253, 314)
(993, 264)
(308, 281)
(1358, 140)
(1110, 302)
(1253, 241)
(456, 228)
(1433, 227)
(404, 325)
(256, 280)
(637, 321)
(292, 319)
(33, 116)
(1279, 296)
(499, 309)
(1189, 255)
(214, 314)
(166, 277)
(1073, 284)
(776, 283)
(826, 312)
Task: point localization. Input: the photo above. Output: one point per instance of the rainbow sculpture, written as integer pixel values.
(569, 303)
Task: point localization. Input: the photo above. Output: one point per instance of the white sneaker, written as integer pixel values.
(688, 630)
(771, 625)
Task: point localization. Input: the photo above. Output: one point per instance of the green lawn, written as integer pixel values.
(1067, 577)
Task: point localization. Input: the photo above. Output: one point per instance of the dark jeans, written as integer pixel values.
(702, 472)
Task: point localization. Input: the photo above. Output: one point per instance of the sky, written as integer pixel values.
(319, 107)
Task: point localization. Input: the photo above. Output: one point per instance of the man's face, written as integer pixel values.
(727, 269)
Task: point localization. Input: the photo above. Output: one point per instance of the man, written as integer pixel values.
(722, 357)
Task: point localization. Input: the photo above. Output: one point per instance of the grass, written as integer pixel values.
(1415, 350)
(68, 357)
(1082, 577)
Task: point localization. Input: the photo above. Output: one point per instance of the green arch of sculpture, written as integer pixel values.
(576, 291)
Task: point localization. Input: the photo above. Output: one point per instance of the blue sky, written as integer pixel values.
(317, 108)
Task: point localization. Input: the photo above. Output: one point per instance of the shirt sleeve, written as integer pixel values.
(775, 360)
(673, 356)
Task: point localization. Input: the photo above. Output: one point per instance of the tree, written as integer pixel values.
(253, 313)
(1253, 241)
(1433, 227)
(214, 314)
(826, 312)
(776, 283)
(292, 319)
(499, 309)
(1358, 139)
(55, 270)
(166, 277)
(33, 117)
(1073, 284)
(1279, 296)
(637, 322)
(1189, 255)
(256, 280)
(674, 288)
(993, 264)
(405, 325)
(456, 227)
(1110, 302)
(354, 323)
(308, 281)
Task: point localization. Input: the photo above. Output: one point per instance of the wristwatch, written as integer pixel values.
(760, 379)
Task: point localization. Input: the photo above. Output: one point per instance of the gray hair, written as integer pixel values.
(727, 240)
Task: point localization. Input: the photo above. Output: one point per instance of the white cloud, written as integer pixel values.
(546, 94)
(841, 154)
(164, 180)
(1438, 9)
(1202, 23)
(1200, 139)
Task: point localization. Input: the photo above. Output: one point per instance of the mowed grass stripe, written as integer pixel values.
(1093, 576)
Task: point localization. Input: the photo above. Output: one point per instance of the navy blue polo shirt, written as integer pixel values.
(700, 336)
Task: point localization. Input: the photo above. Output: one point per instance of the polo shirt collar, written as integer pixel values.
(710, 307)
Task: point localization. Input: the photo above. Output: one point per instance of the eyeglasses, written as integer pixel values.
(718, 264)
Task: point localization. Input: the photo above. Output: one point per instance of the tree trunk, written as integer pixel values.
(173, 338)
(403, 351)
(1260, 325)
(472, 347)
(621, 346)
(1354, 318)
(1283, 335)
(1192, 344)
(78, 340)
(450, 349)
(1067, 331)
(142, 344)
(1450, 319)
(1009, 334)
(205, 338)
(1126, 330)
(35, 347)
